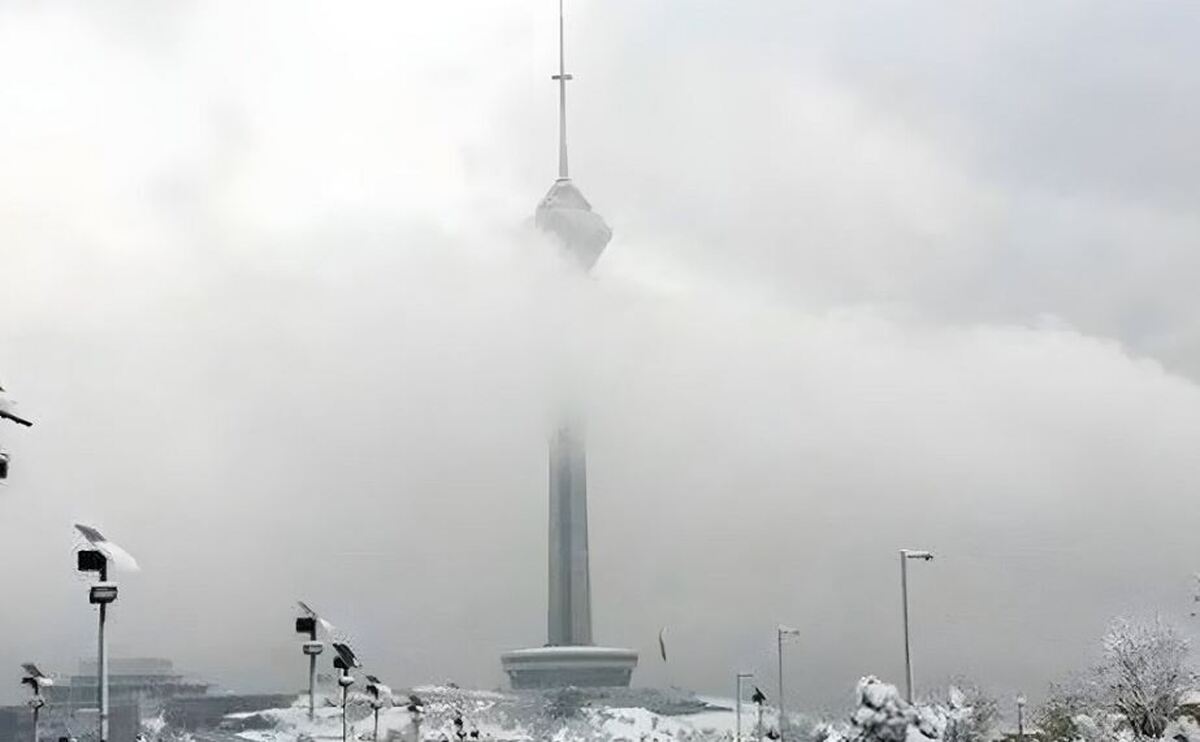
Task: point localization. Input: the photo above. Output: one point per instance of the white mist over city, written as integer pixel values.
(536, 370)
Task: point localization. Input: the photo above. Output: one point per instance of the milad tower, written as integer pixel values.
(569, 657)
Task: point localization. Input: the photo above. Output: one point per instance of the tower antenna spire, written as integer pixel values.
(562, 78)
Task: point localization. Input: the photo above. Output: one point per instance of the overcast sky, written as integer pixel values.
(884, 275)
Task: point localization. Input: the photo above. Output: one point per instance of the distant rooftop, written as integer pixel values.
(142, 666)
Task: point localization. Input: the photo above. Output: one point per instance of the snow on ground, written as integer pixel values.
(631, 715)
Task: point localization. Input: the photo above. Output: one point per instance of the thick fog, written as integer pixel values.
(883, 276)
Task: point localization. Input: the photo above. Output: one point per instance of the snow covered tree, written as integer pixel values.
(1144, 675)
(1135, 691)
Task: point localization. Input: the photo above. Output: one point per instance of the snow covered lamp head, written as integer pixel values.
(345, 660)
(380, 693)
(35, 678)
(112, 554)
(8, 412)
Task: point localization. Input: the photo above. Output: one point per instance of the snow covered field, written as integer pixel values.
(646, 715)
(635, 715)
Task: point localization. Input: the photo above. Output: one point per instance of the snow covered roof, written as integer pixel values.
(567, 215)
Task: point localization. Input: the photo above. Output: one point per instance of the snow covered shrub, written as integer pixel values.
(1066, 703)
(565, 703)
(828, 732)
(1101, 727)
(883, 716)
(971, 714)
(1183, 729)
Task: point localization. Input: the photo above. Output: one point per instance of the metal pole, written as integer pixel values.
(738, 707)
(37, 697)
(779, 637)
(1021, 718)
(737, 736)
(758, 733)
(908, 675)
(102, 664)
(375, 736)
(312, 685)
(344, 686)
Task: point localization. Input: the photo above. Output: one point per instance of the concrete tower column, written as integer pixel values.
(570, 600)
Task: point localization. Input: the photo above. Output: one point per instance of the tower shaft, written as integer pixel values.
(570, 605)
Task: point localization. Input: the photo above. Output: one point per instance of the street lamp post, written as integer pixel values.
(36, 704)
(36, 681)
(1021, 717)
(101, 594)
(905, 555)
(378, 692)
(416, 709)
(344, 661)
(738, 705)
(312, 648)
(759, 699)
(780, 632)
(345, 680)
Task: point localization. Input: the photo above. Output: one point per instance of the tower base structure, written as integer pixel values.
(562, 667)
